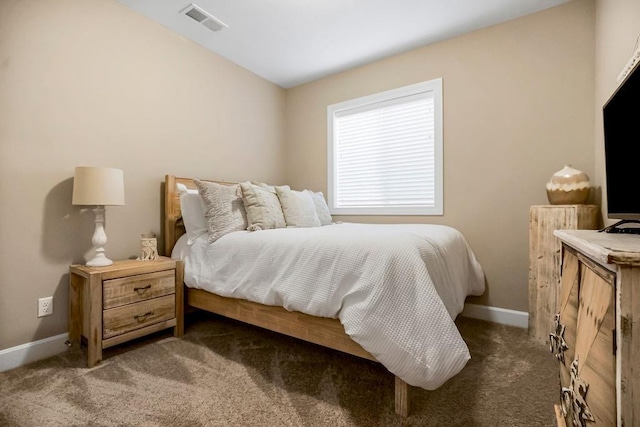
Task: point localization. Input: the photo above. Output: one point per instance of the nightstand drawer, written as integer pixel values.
(123, 319)
(127, 290)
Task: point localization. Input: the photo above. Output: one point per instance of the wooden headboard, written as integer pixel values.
(173, 224)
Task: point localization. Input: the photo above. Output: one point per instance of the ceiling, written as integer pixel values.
(290, 42)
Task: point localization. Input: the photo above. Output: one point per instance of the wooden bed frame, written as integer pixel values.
(318, 330)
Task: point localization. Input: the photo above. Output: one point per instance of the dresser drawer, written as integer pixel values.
(127, 318)
(127, 290)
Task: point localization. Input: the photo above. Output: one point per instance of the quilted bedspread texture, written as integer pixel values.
(396, 288)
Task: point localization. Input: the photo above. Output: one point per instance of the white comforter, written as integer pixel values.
(395, 288)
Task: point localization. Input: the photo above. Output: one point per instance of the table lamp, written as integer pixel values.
(98, 187)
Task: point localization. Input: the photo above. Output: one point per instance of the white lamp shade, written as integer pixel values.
(98, 186)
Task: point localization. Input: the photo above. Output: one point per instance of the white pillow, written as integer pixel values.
(223, 208)
(298, 208)
(192, 213)
(321, 207)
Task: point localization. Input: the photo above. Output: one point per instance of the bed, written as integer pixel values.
(321, 301)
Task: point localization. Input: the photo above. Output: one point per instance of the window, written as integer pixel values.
(385, 153)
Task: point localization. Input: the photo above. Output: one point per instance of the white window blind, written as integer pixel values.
(385, 152)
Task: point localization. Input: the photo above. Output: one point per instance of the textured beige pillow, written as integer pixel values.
(223, 208)
(270, 188)
(263, 207)
(298, 208)
(321, 207)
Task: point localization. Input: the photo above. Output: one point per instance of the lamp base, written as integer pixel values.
(99, 239)
(99, 260)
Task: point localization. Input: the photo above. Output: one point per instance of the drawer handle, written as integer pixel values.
(557, 344)
(574, 398)
(141, 317)
(142, 290)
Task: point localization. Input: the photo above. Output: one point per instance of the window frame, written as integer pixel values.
(333, 110)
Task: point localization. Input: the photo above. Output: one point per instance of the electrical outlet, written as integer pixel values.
(45, 306)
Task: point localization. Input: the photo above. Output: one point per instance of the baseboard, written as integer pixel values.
(32, 351)
(503, 316)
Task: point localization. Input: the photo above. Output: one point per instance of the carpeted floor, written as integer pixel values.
(223, 373)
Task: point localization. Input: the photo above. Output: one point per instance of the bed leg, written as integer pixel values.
(402, 398)
(178, 330)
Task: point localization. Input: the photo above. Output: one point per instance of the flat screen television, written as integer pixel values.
(621, 115)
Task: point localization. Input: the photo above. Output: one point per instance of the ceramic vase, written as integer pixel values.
(568, 186)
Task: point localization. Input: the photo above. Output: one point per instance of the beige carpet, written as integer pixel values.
(225, 373)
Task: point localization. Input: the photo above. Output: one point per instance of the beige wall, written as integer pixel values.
(617, 28)
(518, 104)
(118, 90)
(93, 83)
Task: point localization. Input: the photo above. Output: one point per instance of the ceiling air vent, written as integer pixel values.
(199, 15)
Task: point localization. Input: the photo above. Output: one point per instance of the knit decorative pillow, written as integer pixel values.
(223, 208)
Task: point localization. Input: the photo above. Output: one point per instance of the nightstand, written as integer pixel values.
(126, 300)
